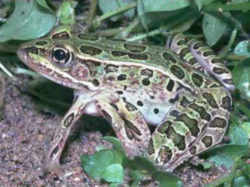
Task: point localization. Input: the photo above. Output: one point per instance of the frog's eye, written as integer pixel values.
(61, 56)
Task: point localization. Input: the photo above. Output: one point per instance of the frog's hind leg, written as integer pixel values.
(201, 57)
(192, 127)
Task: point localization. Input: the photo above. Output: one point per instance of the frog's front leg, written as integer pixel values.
(129, 126)
(82, 101)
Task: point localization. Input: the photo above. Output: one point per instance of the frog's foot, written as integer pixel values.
(52, 164)
(53, 167)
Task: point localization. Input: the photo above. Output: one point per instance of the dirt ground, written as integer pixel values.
(25, 140)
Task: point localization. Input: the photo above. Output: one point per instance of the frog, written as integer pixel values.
(168, 104)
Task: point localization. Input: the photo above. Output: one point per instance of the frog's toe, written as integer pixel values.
(53, 168)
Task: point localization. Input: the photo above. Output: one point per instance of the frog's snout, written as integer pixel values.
(22, 55)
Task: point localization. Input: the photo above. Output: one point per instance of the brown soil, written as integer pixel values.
(25, 140)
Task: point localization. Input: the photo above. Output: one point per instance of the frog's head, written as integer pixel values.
(54, 57)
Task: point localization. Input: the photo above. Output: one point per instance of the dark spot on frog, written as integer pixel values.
(197, 79)
(111, 68)
(192, 61)
(197, 45)
(130, 107)
(111, 78)
(174, 113)
(122, 77)
(228, 81)
(61, 35)
(138, 56)
(165, 154)
(88, 37)
(92, 66)
(218, 122)
(119, 53)
(219, 70)
(210, 99)
(145, 82)
(147, 72)
(208, 53)
(131, 130)
(216, 61)
(184, 102)
(156, 110)
(202, 111)
(184, 52)
(106, 115)
(177, 139)
(169, 57)
(192, 124)
(139, 103)
(33, 50)
(193, 150)
(90, 50)
(134, 47)
(177, 71)
(68, 121)
(173, 100)
(151, 147)
(119, 92)
(54, 152)
(96, 82)
(170, 85)
(226, 103)
(207, 140)
(114, 106)
(41, 42)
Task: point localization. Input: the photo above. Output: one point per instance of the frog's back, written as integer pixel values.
(151, 56)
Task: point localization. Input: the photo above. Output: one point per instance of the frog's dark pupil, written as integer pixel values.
(60, 54)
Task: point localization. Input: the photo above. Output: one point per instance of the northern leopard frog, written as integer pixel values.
(134, 86)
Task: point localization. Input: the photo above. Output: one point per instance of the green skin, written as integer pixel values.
(134, 86)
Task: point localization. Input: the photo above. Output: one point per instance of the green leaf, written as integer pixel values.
(241, 78)
(141, 163)
(227, 155)
(100, 164)
(116, 143)
(165, 179)
(246, 127)
(238, 136)
(245, 6)
(164, 5)
(28, 21)
(66, 13)
(201, 3)
(213, 28)
(243, 48)
(113, 173)
(112, 5)
(43, 4)
(241, 182)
